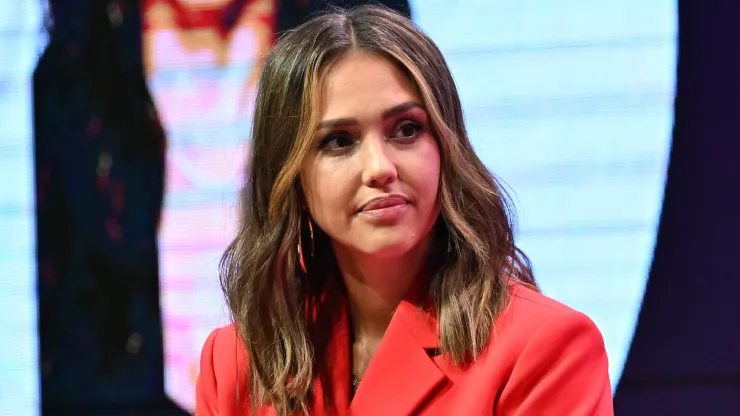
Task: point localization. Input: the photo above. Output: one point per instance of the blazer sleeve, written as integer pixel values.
(563, 370)
(206, 395)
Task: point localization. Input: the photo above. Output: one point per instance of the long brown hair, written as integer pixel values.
(276, 307)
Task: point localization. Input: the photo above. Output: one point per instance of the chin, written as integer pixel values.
(385, 245)
(386, 251)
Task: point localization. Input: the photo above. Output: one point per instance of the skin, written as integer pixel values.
(373, 139)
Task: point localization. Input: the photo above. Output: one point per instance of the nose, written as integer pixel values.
(378, 168)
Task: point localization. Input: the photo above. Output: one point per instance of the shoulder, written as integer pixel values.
(223, 366)
(555, 357)
(534, 326)
(221, 338)
(530, 314)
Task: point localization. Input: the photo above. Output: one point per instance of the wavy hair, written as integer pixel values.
(281, 313)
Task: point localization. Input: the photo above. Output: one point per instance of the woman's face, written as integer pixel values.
(372, 174)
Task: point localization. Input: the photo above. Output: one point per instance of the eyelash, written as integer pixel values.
(324, 143)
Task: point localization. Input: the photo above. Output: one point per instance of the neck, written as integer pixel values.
(375, 286)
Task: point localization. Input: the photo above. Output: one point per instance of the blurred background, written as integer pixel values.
(125, 128)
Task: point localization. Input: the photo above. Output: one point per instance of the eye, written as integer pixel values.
(336, 142)
(408, 130)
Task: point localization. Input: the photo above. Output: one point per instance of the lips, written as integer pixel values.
(386, 201)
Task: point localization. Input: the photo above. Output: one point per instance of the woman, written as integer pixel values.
(375, 272)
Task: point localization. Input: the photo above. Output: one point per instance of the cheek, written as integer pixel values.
(427, 171)
(327, 194)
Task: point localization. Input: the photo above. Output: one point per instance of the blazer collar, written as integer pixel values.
(402, 375)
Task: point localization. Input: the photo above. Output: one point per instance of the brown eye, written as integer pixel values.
(336, 142)
(408, 130)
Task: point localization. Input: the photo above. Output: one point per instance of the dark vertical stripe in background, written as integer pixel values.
(685, 356)
(99, 159)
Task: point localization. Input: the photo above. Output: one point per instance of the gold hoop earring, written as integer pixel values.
(301, 260)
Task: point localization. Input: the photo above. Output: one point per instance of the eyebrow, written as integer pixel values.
(390, 112)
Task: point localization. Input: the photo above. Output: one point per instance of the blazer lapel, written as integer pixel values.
(340, 361)
(402, 375)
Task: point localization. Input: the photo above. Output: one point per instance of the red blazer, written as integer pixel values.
(543, 359)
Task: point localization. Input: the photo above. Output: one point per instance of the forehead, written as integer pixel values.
(363, 84)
